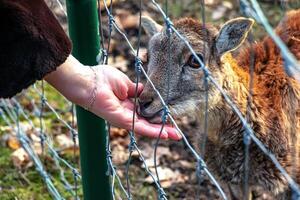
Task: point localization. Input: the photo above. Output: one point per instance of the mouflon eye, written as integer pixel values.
(192, 62)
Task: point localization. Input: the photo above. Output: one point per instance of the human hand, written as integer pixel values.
(112, 102)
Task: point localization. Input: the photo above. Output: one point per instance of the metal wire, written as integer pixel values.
(111, 167)
(205, 84)
(59, 118)
(292, 66)
(165, 110)
(25, 141)
(291, 182)
(11, 115)
(8, 106)
(42, 135)
(61, 7)
(137, 72)
(246, 136)
(206, 80)
(139, 64)
(13, 110)
(133, 146)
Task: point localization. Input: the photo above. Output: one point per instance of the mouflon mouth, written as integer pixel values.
(155, 118)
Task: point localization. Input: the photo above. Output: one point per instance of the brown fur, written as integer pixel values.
(275, 113)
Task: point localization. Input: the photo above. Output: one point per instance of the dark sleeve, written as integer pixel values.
(32, 44)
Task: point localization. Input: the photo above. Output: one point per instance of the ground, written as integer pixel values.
(175, 162)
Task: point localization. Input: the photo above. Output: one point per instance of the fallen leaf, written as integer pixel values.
(35, 138)
(13, 143)
(20, 157)
(107, 3)
(117, 132)
(119, 153)
(148, 153)
(167, 176)
(186, 164)
(64, 141)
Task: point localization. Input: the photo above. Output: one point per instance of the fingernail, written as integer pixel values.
(179, 135)
(164, 134)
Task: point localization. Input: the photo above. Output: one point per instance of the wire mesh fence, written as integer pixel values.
(249, 133)
(20, 118)
(13, 114)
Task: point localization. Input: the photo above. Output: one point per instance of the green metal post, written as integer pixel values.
(84, 33)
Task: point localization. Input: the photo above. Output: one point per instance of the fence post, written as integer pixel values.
(84, 33)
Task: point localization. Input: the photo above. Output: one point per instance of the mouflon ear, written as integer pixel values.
(150, 26)
(232, 34)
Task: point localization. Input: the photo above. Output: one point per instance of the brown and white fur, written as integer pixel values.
(274, 112)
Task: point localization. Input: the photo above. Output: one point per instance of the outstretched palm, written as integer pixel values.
(113, 103)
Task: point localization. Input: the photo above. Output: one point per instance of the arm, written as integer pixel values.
(32, 44)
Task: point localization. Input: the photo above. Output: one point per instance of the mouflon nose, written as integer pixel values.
(142, 108)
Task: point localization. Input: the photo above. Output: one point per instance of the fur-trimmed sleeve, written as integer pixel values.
(32, 44)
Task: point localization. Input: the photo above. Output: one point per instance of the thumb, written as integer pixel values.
(132, 89)
(121, 90)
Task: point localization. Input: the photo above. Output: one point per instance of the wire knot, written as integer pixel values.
(165, 115)
(102, 56)
(132, 143)
(74, 135)
(43, 99)
(110, 167)
(43, 137)
(44, 174)
(161, 194)
(108, 154)
(169, 25)
(75, 173)
(138, 65)
(111, 21)
(43, 102)
(200, 168)
(246, 138)
(206, 73)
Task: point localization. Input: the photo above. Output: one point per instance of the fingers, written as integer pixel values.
(132, 88)
(126, 88)
(121, 90)
(140, 88)
(144, 128)
(173, 133)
